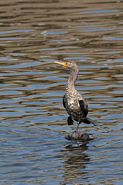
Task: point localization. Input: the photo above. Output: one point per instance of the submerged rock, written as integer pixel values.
(78, 136)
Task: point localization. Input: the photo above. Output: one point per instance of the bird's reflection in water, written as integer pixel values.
(75, 160)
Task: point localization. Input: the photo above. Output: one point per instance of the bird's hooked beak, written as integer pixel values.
(64, 64)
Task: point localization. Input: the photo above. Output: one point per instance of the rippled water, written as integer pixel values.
(33, 34)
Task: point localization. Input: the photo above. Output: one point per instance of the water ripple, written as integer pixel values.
(33, 35)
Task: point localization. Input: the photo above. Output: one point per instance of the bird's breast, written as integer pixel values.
(73, 104)
(73, 107)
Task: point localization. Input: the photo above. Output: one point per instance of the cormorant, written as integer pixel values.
(74, 103)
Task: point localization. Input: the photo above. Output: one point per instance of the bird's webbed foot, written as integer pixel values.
(69, 120)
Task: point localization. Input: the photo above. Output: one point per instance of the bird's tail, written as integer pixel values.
(88, 121)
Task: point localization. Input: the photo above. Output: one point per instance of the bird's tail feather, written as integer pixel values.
(88, 121)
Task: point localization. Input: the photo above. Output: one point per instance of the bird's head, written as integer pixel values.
(68, 65)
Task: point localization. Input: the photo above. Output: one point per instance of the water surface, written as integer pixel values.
(33, 34)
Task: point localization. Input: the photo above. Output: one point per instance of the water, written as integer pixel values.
(33, 34)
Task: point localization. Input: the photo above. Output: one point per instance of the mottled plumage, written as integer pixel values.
(74, 103)
(77, 108)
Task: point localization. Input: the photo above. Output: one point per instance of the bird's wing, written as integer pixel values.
(83, 107)
(64, 102)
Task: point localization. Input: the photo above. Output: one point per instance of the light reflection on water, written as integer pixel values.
(33, 149)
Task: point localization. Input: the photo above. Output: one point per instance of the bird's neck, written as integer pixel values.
(71, 81)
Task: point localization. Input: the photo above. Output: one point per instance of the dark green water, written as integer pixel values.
(33, 34)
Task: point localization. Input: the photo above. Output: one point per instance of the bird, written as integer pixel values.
(74, 103)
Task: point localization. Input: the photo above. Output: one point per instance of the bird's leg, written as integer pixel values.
(69, 120)
(77, 128)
